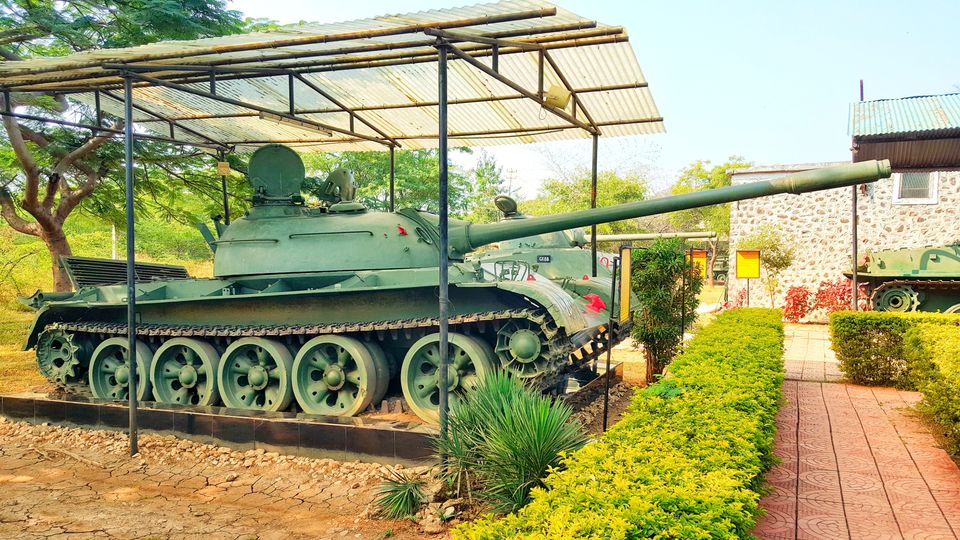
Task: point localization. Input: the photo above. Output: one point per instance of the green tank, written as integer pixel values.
(913, 279)
(324, 307)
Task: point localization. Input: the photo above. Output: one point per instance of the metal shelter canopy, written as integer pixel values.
(480, 75)
(369, 84)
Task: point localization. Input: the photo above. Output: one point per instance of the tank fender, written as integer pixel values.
(566, 311)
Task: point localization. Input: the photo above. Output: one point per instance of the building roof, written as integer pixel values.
(887, 117)
(920, 132)
(372, 83)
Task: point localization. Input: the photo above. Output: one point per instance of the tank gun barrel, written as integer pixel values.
(696, 235)
(476, 235)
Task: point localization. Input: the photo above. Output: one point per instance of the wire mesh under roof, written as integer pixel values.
(367, 84)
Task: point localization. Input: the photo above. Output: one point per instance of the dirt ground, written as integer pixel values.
(58, 482)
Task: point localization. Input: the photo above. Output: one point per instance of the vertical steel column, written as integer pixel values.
(853, 226)
(442, 99)
(131, 274)
(593, 204)
(223, 188)
(392, 176)
(610, 322)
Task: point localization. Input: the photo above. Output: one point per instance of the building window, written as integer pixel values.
(915, 188)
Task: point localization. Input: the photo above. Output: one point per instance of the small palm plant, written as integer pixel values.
(504, 438)
(399, 496)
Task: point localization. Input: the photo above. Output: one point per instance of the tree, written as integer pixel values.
(49, 172)
(699, 176)
(667, 285)
(416, 178)
(776, 255)
(487, 184)
(558, 196)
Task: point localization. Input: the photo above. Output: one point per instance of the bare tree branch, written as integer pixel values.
(73, 158)
(8, 210)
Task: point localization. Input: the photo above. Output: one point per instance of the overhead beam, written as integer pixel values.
(254, 107)
(353, 113)
(171, 121)
(516, 87)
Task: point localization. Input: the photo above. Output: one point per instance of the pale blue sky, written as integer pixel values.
(768, 80)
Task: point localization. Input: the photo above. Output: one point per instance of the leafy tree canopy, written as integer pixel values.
(698, 176)
(567, 195)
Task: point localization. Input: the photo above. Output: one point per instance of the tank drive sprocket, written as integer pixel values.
(63, 357)
(898, 298)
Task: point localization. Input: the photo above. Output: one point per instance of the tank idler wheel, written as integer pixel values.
(338, 375)
(254, 373)
(898, 298)
(63, 357)
(185, 372)
(110, 370)
(521, 347)
(470, 359)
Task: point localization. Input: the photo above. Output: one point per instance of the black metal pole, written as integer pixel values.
(223, 188)
(593, 204)
(442, 98)
(683, 296)
(853, 226)
(610, 323)
(393, 173)
(131, 274)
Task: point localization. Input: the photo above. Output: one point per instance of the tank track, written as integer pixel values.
(560, 349)
(949, 284)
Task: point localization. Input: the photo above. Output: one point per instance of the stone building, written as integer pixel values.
(910, 209)
(918, 206)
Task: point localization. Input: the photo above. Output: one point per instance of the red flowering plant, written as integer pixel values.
(797, 304)
(837, 295)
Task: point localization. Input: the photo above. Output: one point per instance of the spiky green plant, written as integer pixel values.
(399, 495)
(504, 438)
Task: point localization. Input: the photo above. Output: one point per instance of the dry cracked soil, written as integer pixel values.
(61, 482)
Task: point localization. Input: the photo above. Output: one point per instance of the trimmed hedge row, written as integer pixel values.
(687, 459)
(869, 345)
(933, 352)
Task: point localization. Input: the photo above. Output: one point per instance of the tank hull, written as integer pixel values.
(913, 279)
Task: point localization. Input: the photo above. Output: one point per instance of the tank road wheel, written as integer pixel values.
(62, 357)
(953, 309)
(110, 370)
(336, 375)
(899, 298)
(520, 348)
(185, 372)
(385, 371)
(470, 360)
(254, 373)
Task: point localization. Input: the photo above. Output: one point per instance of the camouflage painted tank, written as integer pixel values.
(913, 279)
(329, 305)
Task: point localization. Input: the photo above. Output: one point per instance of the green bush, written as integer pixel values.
(933, 352)
(869, 345)
(399, 496)
(687, 459)
(504, 438)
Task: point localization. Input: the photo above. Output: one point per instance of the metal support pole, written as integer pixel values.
(593, 204)
(442, 95)
(683, 295)
(853, 226)
(610, 323)
(393, 177)
(293, 106)
(131, 274)
(223, 188)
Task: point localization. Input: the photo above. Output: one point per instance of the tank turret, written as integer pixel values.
(318, 301)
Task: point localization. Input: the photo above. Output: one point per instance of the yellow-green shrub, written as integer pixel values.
(688, 457)
(933, 352)
(869, 345)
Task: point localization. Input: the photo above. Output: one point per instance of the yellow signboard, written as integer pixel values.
(223, 168)
(625, 283)
(698, 259)
(748, 264)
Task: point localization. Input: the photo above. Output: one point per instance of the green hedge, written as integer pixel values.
(869, 345)
(933, 351)
(688, 457)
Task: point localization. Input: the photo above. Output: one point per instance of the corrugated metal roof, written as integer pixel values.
(385, 69)
(905, 115)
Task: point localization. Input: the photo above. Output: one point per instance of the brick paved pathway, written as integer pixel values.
(856, 462)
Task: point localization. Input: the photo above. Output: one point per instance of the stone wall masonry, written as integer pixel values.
(819, 226)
